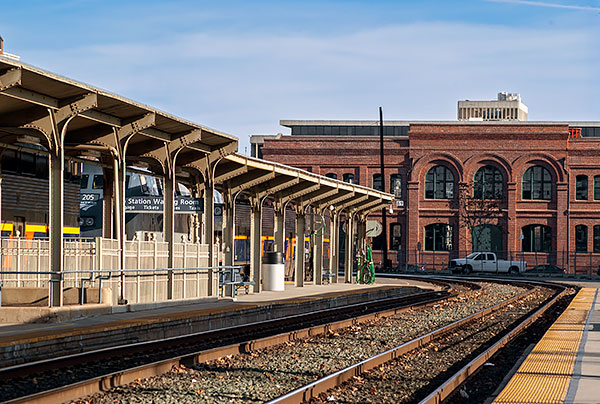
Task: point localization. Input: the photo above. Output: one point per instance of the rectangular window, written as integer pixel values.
(98, 182)
(349, 178)
(377, 182)
(581, 238)
(84, 181)
(581, 188)
(596, 239)
(597, 188)
(395, 236)
(396, 185)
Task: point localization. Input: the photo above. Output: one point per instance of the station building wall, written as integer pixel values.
(551, 194)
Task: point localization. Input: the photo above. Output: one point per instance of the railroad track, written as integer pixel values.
(70, 377)
(429, 368)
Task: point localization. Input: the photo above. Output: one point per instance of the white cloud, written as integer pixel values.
(546, 4)
(246, 84)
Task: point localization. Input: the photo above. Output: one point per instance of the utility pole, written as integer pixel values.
(383, 211)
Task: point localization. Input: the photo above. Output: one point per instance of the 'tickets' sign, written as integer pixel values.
(146, 204)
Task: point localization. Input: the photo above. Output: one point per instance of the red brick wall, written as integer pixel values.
(464, 148)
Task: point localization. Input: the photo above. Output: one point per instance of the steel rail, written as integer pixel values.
(443, 391)
(105, 382)
(312, 390)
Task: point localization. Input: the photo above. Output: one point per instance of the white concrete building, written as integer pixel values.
(508, 107)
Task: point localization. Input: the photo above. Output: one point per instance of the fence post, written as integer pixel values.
(39, 262)
(19, 269)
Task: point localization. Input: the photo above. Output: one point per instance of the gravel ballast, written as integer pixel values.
(266, 374)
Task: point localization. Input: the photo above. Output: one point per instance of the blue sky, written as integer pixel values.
(241, 66)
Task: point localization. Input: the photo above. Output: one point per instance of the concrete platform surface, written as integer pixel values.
(21, 342)
(585, 382)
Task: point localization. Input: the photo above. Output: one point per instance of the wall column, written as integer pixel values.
(413, 232)
(513, 238)
(300, 226)
(255, 241)
(562, 230)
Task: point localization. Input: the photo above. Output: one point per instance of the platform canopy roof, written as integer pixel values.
(265, 179)
(28, 94)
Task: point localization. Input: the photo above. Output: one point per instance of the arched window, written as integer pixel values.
(333, 176)
(439, 183)
(537, 184)
(581, 238)
(581, 188)
(597, 188)
(537, 238)
(438, 237)
(488, 183)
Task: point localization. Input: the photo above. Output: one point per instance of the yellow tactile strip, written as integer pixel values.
(545, 375)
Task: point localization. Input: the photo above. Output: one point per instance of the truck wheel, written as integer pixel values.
(468, 269)
(513, 270)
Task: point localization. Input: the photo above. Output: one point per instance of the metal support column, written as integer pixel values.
(169, 227)
(56, 162)
(300, 225)
(255, 241)
(349, 256)
(279, 228)
(209, 208)
(318, 252)
(229, 227)
(334, 248)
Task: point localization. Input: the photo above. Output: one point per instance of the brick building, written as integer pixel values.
(525, 190)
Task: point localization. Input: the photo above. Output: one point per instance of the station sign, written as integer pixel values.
(155, 204)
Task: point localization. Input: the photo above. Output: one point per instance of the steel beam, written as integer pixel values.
(10, 78)
(226, 174)
(353, 202)
(251, 179)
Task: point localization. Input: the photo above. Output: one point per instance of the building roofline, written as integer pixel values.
(290, 123)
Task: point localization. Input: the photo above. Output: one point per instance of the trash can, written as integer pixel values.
(273, 276)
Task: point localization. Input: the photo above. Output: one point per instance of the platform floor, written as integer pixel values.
(564, 366)
(34, 332)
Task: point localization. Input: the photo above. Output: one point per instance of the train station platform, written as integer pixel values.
(564, 367)
(27, 341)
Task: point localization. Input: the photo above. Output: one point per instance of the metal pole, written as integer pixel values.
(383, 211)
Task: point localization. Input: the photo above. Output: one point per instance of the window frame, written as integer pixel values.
(433, 181)
(438, 235)
(544, 184)
(381, 185)
(581, 187)
(497, 183)
(541, 243)
(581, 238)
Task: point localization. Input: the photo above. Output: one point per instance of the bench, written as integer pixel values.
(328, 275)
(232, 277)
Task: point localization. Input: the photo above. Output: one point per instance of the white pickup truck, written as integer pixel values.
(486, 262)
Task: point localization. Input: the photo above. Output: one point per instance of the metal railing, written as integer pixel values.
(101, 275)
(573, 262)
